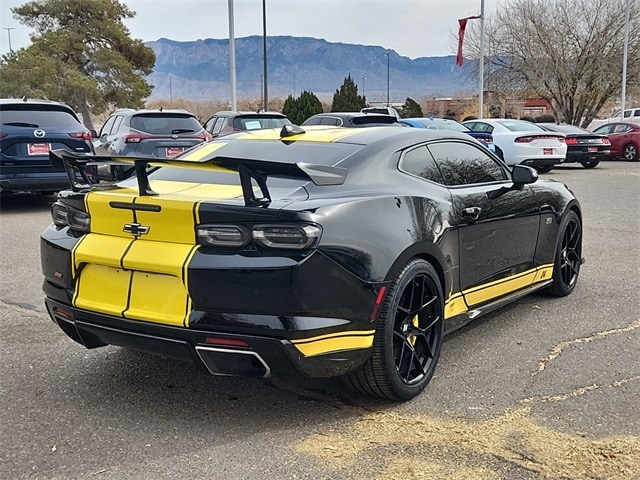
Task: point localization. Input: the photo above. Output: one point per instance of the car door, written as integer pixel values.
(497, 226)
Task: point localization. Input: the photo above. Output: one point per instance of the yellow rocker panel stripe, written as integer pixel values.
(334, 342)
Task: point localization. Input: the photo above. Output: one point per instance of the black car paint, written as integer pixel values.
(372, 225)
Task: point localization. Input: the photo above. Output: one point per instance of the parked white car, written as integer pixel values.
(630, 115)
(519, 141)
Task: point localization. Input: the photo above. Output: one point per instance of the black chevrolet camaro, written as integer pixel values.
(320, 252)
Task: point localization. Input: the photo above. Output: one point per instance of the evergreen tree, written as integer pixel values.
(301, 108)
(346, 98)
(81, 54)
(411, 109)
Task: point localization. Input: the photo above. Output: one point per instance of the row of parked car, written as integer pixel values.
(31, 128)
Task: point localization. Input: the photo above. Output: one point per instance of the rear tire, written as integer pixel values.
(630, 153)
(408, 338)
(544, 168)
(590, 163)
(568, 259)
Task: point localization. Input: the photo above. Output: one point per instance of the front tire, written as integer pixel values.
(630, 153)
(568, 259)
(408, 336)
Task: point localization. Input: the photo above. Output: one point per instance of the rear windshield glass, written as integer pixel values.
(520, 126)
(385, 119)
(444, 125)
(37, 116)
(163, 123)
(566, 129)
(260, 122)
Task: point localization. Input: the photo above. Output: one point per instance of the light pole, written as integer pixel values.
(8, 29)
(387, 54)
(264, 54)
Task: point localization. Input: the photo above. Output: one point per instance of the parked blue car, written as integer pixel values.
(446, 124)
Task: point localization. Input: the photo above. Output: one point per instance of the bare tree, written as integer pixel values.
(568, 52)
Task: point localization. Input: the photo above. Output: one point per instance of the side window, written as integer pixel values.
(209, 125)
(420, 163)
(622, 128)
(483, 127)
(313, 121)
(333, 121)
(220, 123)
(117, 123)
(106, 128)
(465, 164)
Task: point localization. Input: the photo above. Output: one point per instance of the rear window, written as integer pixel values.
(38, 116)
(520, 126)
(165, 124)
(384, 119)
(566, 128)
(260, 122)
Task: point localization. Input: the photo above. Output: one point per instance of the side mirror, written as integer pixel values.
(522, 174)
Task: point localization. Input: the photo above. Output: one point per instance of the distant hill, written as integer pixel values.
(199, 70)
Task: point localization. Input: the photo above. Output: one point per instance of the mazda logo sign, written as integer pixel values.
(39, 133)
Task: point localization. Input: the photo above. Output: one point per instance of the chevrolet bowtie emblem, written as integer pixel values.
(136, 229)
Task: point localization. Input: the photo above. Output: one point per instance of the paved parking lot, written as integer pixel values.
(544, 388)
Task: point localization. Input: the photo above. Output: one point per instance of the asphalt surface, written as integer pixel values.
(542, 389)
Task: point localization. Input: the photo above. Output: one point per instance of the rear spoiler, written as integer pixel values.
(75, 166)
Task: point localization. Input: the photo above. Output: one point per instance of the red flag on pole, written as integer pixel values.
(463, 25)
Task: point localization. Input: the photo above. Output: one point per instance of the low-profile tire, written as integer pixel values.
(544, 168)
(568, 258)
(590, 163)
(630, 153)
(408, 337)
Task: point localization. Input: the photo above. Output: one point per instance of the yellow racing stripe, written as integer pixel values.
(335, 342)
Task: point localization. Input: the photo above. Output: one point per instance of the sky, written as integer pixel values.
(417, 28)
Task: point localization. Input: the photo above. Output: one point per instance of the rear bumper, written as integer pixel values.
(219, 353)
(577, 157)
(542, 162)
(34, 182)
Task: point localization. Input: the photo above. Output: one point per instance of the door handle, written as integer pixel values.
(472, 212)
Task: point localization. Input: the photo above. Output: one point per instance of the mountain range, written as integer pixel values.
(199, 70)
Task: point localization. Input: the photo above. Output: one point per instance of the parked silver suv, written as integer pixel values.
(151, 133)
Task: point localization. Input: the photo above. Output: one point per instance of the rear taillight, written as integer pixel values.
(291, 236)
(132, 138)
(205, 135)
(297, 237)
(531, 138)
(86, 135)
(571, 141)
(2, 135)
(66, 216)
(228, 236)
(606, 141)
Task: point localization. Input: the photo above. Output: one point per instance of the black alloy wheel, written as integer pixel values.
(408, 336)
(590, 163)
(630, 153)
(568, 257)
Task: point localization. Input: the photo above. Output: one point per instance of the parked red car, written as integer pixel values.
(624, 138)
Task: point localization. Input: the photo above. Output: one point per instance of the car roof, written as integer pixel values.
(132, 111)
(30, 101)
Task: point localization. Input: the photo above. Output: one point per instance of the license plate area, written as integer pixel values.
(592, 149)
(38, 148)
(173, 151)
(150, 297)
(547, 151)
